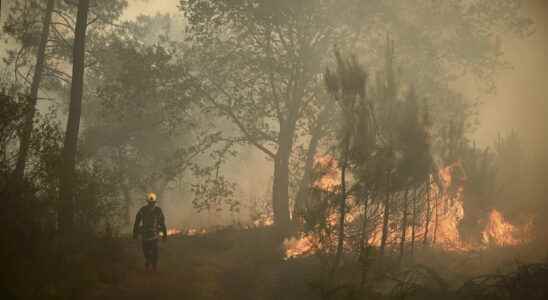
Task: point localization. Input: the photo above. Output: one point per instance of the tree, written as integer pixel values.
(66, 191)
(267, 87)
(318, 131)
(263, 87)
(415, 165)
(346, 86)
(33, 96)
(22, 25)
(50, 44)
(141, 118)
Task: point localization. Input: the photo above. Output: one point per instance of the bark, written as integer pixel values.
(33, 97)
(342, 204)
(342, 208)
(436, 219)
(364, 242)
(280, 185)
(66, 213)
(386, 217)
(404, 224)
(304, 187)
(428, 213)
(414, 220)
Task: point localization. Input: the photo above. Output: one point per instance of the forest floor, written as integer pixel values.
(248, 264)
(231, 264)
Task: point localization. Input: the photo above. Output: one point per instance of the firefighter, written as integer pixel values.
(149, 223)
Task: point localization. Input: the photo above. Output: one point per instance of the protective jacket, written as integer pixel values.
(149, 222)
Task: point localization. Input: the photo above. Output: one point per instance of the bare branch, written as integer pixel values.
(228, 112)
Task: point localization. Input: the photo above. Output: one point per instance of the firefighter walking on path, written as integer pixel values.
(149, 223)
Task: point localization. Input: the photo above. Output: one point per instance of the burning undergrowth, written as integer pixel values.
(261, 221)
(434, 219)
(187, 232)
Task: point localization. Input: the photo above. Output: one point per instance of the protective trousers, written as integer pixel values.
(150, 250)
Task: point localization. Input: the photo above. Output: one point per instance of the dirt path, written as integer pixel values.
(227, 265)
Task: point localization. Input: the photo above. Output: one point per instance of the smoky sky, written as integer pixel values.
(520, 101)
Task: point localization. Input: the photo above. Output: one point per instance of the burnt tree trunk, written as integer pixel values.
(436, 217)
(414, 222)
(33, 97)
(342, 203)
(404, 223)
(66, 210)
(304, 186)
(280, 184)
(386, 217)
(428, 213)
(364, 242)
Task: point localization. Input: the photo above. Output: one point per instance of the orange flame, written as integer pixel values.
(264, 220)
(331, 177)
(447, 212)
(498, 232)
(187, 232)
(173, 231)
(195, 231)
(302, 246)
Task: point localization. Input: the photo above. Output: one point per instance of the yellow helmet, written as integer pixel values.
(151, 197)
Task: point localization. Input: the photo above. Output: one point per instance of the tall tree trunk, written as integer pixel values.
(280, 185)
(304, 187)
(428, 213)
(404, 224)
(66, 213)
(414, 220)
(436, 218)
(364, 241)
(33, 97)
(342, 204)
(386, 216)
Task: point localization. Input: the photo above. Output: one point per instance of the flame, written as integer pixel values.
(195, 231)
(499, 232)
(264, 220)
(302, 246)
(173, 231)
(186, 232)
(331, 177)
(447, 212)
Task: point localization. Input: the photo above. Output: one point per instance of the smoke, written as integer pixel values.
(521, 104)
(150, 7)
(520, 101)
(252, 173)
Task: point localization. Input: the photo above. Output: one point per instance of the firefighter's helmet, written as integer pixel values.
(151, 197)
